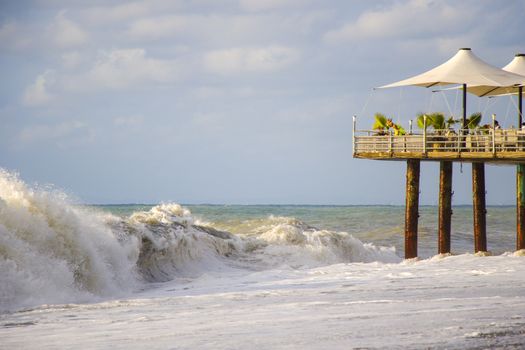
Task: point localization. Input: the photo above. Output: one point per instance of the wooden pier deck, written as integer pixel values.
(490, 146)
(477, 146)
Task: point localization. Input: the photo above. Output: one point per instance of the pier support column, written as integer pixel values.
(412, 208)
(520, 207)
(445, 206)
(479, 207)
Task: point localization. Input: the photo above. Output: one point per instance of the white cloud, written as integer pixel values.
(412, 19)
(66, 33)
(71, 59)
(262, 5)
(159, 27)
(115, 69)
(248, 60)
(116, 13)
(36, 133)
(37, 93)
(127, 67)
(222, 29)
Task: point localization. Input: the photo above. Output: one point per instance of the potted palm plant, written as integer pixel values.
(383, 125)
(441, 127)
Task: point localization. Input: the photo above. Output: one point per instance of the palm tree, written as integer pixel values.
(474, 120)
(381, 123)
(384, 124)
(436, 121)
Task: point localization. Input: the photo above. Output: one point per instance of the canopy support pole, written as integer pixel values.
(520, 186)
(445, 206)
(479, 207)
(520, 105)
(411, 208)
(464, 106)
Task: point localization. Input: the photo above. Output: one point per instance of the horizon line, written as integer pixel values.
(284, 205)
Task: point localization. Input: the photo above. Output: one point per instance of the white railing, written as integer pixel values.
(463, 140)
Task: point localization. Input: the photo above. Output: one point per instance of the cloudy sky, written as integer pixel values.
(234, 101)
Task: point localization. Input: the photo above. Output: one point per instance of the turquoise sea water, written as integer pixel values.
(380, 225)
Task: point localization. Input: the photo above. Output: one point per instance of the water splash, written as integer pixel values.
(52, 251)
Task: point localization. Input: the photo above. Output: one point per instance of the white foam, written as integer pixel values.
(52, 251)
(287, 241)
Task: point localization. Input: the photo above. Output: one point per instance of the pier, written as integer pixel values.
(477, 146)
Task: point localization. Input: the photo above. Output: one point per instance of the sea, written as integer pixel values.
(175, 276)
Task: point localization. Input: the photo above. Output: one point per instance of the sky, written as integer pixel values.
(235, 101)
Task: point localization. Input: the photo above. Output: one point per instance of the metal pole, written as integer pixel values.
(460, 133)
(411, 208)
(479, 208)
(464, 124)
(520, 105)
(354, 121)
(464, 106)
(390, 142)
(425, 134)
(410, 127)
(493, 134)
(445, 206)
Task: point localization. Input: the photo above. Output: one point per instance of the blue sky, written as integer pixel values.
(227, 101)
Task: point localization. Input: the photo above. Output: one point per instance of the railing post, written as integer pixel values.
(494, 134)
(390, 142)
(354, 120)
(460, 132)
(425, 134)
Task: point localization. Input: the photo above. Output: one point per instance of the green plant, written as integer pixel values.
(473, 121)
(383, 124)
(435, 120)
(451, 121)
(380, 122)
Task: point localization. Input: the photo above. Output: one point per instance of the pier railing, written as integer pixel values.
(447, 143)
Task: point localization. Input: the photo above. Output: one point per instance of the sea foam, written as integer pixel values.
(53, 251)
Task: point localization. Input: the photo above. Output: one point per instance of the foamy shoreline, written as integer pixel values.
(453, 302)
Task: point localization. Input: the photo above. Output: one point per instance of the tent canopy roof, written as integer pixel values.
(463, 68)
(517, 66)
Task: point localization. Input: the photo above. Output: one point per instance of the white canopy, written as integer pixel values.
(517, 66)
(463, 68)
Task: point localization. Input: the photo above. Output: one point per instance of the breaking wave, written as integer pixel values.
(52, 251)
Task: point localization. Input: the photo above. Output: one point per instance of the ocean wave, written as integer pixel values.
(52, 251)
(287, 241)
